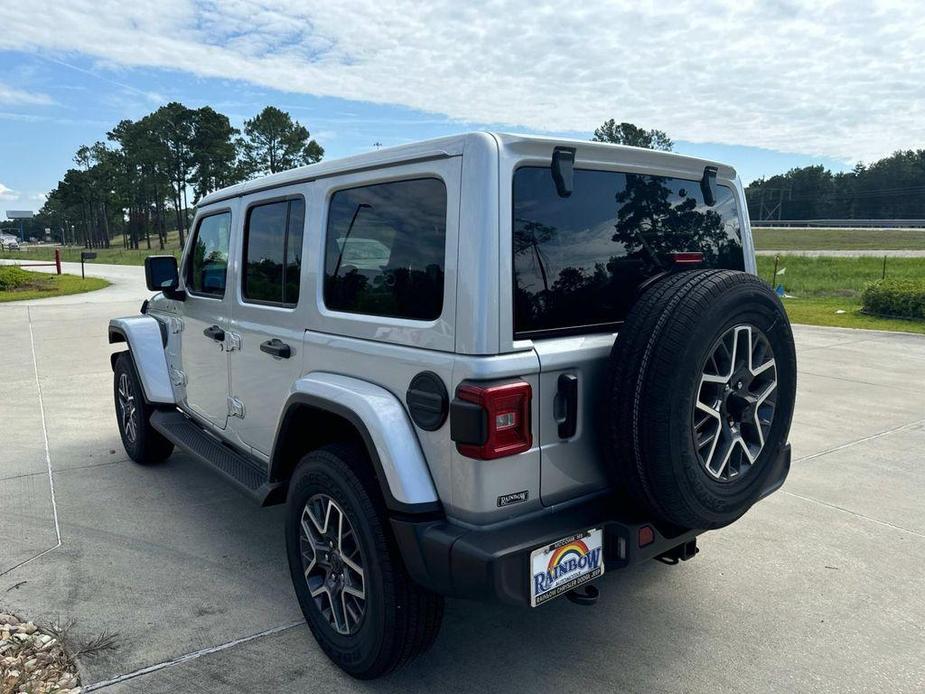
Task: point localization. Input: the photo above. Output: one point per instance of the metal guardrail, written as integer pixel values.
(843, 223)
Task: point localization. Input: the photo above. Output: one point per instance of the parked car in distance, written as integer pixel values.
(485, 366)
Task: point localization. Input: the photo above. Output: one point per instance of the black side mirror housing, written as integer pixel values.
(162, 275)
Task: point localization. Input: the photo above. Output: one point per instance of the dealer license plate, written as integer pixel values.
(565, 565)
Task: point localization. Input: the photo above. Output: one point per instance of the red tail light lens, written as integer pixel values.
(506, 417)
(687, 258)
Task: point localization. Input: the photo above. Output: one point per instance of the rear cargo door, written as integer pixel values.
(573, 377)
(578, 263)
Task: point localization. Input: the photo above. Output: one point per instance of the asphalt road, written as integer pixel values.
(819, 588)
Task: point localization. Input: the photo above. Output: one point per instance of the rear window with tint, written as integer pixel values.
(578, 260)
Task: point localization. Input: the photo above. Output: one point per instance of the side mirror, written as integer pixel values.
(161, 275)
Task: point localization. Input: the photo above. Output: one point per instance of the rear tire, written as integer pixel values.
(670, 400)
(142, 442)
(396, 620)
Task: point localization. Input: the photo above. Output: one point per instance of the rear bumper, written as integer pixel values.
(494, 564)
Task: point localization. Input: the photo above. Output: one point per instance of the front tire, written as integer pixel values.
(364, 610)
(142, 442)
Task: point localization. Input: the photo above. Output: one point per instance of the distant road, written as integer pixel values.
(127, 283)
(859, 253)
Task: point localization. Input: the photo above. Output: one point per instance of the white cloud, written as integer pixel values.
(837, 78)
(17, 97)
(8, 193)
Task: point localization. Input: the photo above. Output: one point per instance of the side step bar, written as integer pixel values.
(248, 476)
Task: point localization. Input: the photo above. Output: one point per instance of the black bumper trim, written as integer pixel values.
(493, 564)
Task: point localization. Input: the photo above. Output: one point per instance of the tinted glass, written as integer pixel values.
(578, 260)
(264, 252)
(294, 251)
(209, 262)
(271, 254)
(385, 249)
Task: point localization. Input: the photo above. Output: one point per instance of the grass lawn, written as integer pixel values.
(116, 255)
(822, 286)
(771, 239)
(17, 284)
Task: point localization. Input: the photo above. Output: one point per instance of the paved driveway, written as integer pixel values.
(819, 588)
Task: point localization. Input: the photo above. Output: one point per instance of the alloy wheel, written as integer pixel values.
(332, 563)
(127, 410)
(735, 403)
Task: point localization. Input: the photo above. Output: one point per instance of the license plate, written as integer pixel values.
(565, 565)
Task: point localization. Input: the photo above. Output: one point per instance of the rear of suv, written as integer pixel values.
(486, 366)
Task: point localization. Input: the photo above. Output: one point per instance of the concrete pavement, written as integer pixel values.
(820, 587)
(127, 283)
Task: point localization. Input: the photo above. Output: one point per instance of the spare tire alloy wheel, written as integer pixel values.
(332, 563)
(735, 403)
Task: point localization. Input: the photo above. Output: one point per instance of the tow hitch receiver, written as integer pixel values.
(584, 595)
(682, 552)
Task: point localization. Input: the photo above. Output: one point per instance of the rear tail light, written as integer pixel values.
(488, 422)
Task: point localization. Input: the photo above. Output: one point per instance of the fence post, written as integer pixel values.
(58, 260)
(883, 276)
(774, 274)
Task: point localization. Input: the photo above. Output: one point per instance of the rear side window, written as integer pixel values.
(385, 249)
(208, 265)
(273, 252)
(578, 260)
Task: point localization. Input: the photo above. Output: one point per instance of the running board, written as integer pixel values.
(245, 474)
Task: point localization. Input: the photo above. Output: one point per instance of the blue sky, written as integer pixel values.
(832, 84)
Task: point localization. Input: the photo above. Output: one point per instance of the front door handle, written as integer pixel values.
(213, 332)
(277, 348)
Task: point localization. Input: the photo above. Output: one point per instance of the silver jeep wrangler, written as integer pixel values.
(484, 366)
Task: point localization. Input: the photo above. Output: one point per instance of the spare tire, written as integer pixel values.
(702, 388)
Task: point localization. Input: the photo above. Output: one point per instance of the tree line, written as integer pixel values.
(890, 188)
(142, 180)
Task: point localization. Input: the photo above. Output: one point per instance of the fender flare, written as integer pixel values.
(145, 342)
(385, 428)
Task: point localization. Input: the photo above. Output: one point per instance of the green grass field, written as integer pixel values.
(116, 255)
(39, 285)
(771, 239)
(821, 287)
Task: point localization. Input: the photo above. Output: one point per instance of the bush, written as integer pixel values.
(12, 277)
(899, 298)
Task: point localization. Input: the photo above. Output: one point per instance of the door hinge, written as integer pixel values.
(177, 377)
(175, 325)
(235, 407)
(232, 342)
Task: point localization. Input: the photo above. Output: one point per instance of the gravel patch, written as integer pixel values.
(34, 660)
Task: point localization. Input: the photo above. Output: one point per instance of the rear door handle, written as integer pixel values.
(213, 332)
(277, 348)
(567, 396)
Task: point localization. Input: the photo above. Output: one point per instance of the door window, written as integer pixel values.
(273, 252)
(208, 264)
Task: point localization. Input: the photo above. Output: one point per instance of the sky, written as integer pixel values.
(762, 85)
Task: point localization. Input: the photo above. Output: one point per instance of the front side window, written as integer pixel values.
(208, 265)
(385, 249)
(273, 252)
(578, 260)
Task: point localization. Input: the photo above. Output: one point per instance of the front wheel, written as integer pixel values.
(364, 610)
(141, 441)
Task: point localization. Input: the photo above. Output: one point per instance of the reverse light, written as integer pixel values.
(489, 422)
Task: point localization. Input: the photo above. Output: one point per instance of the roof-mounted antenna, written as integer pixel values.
(563, 168)
(708, 185)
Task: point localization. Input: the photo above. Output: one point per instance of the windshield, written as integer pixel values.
(578, 260)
